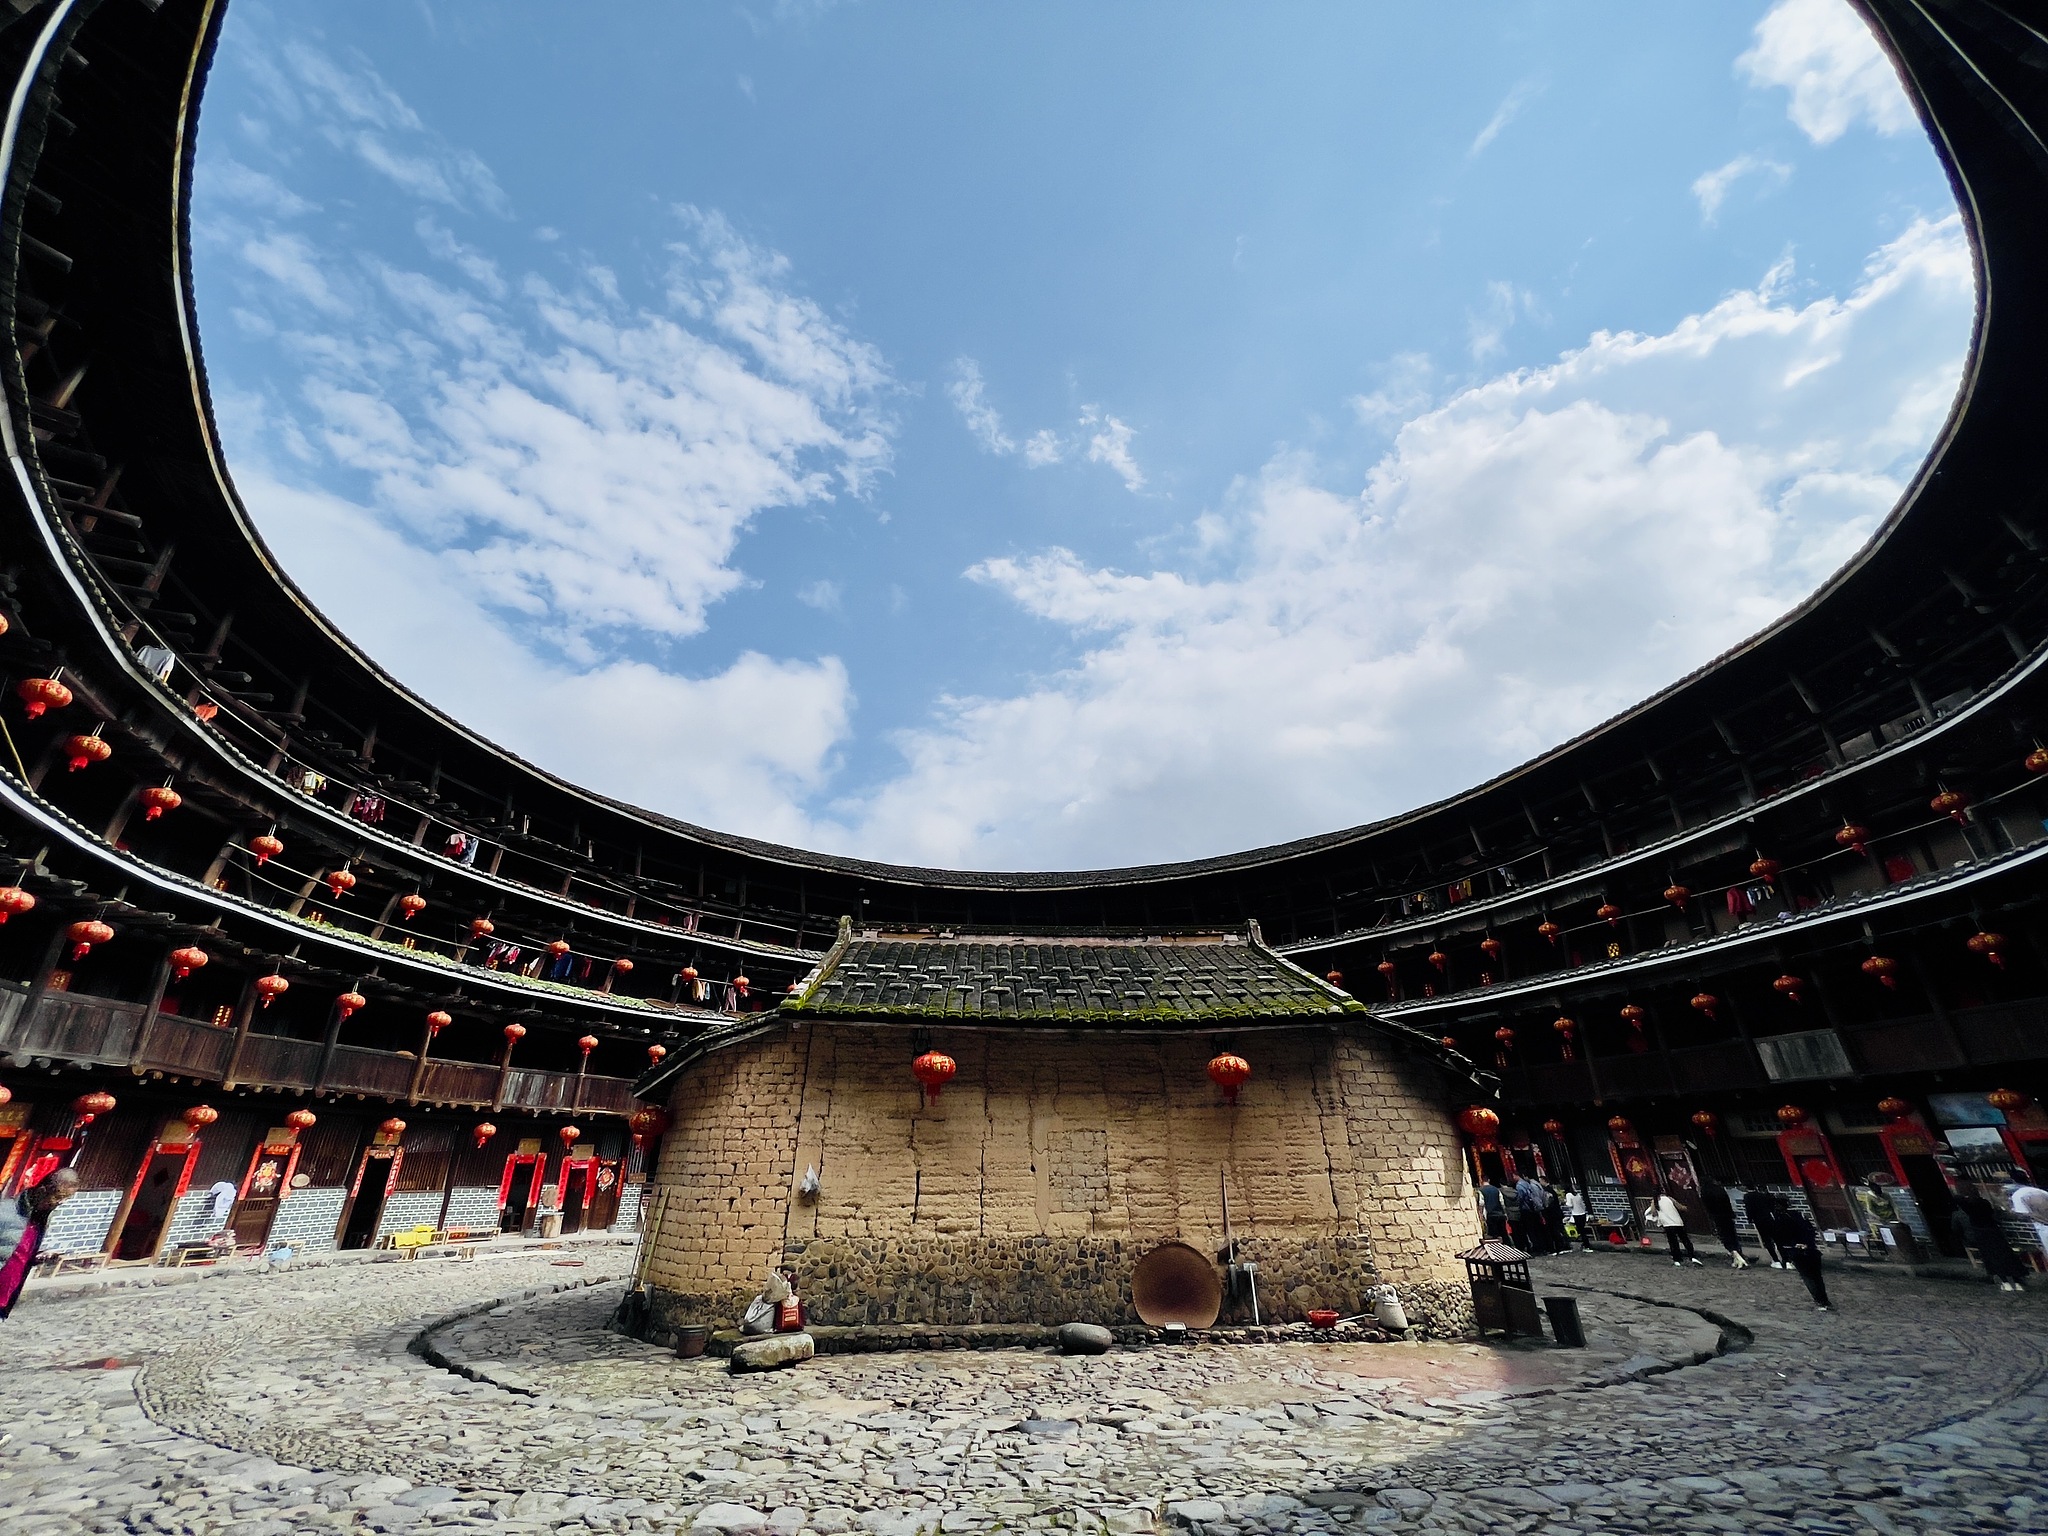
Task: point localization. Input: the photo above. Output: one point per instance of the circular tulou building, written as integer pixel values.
(276, 933)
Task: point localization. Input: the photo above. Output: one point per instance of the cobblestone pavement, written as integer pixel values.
(297, 1402)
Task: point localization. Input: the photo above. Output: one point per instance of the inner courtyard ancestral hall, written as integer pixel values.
(947, 1128)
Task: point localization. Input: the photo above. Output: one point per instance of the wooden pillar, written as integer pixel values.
(327, 1045)
(504, 1076)
(245, 1014)
(419, 1069)
(158, 982)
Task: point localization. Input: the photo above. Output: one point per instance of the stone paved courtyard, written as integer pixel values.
(436, 1397)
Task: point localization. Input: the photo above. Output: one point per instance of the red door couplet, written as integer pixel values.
(516, 1196)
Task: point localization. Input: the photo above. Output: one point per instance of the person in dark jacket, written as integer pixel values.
(1721, 1207)
(1795, 1239)
(1760, 1205)
(1494, 1209)
(1528, 1216)
(1977, 1224)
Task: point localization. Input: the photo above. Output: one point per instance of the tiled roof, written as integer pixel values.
(1138, 981)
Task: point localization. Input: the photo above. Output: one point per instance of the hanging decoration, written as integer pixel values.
(623, 966)
(481, 928)
(157, 799)
(482, 1132)
(1491, 948)
(187, 960)
(351, 1003)
(1550, 931)
(2036, 761)
(83, 935)
(200, 1116)
(340, 882)
(438, 1021)
(266, 848)
(1230, 1072)
(1953, 804)
(570, 1136)
(1619, 1127)
(1440, 960)
(302, 1120)
(1334, 978)
(84, 751)
(739, 988)
(1553, 1128)
(1609, 911)
(647, 1123)
(1854, 837)
(1707, 1121)
(1481, 1124)
(1449, 1042)
(391, 1129)
(1706, 1003)
(586, 1044)
(1633, 1014)
(514, 1033)
(1894, 1109)
(1566, 1029)
(559, 948)
(1678, 895)
(411, 906)
(655, 1053)
(1765, 870)
(272, 987)
(1789, 987)
(1388, 970)
(1790, 1115)
(1504, 1037)
(2007, 1101)
(38, 694)
(88, 1107)
(14, 902)
(1989, 945)
(1883, 968)
(933, 1070)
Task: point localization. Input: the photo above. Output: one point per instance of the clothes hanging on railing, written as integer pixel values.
(157, 661)
(306, 781)
(1461, 892)
(368, 809)
(1738, 901)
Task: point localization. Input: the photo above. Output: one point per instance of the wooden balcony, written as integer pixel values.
(66, 1026)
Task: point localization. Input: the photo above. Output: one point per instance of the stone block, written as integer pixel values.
(772, 1353)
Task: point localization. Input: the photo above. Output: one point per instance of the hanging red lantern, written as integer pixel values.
(266, 848)
(2007, 1101)
(272, 987)
(1504, 1037)
(1894, 1108)
(1439, 959)
(200, 1116)
(559, 948)
(586, 1044)
(1491, 948)
(739, 986)
(1790, 1115)
(14, 902)
(1789, 987)
(340, 882)
(1953, 804)
(514, 1033)
(623, 966)
(1706, 1003)
(1610, 912)
(2036, 761)
(1553, 1128)
(302, 1120)
(83, 935)
(1633, 1014)
(1707, 1121)
(438, 1021)
(88, 1107)
(157, 799)
(1678, 895)
(481, 928)
(689, 973)
(570, 1136)
(351, 1003)
(1388, 970)
(1550, 931)
(1764, 869)
(1481, 1124)
(391, 1129)
(1853, 836)
(41, 693)
(1566, 1029)
(655, 1054)
(1230, 1072)
(1883, 968)
(933, 1070)
(1449, 1042)
(647, 1123)
(1619, 1127)
(187, 960)
(84, 751)
(482, 1132)
(411, 906)
(1988, 945)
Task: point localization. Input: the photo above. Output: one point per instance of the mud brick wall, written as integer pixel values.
(1042, 1173)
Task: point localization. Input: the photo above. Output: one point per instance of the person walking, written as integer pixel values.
(1761, 1206)
(1664, 1212)
(1976, 1223)
(1529, 1216)
(2030, 1200)
(1493, 1208)
(1721, 1207)
(23, 1221)
(1553, 1220)
(1794, 1237)
(1581, 1217)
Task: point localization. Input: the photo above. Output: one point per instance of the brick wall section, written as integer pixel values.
(1047, 1167)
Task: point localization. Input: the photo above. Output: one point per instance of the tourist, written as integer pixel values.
(1553, 1220)
(1794, 1237)
(1664, 1212)
(2030, 1200)
(1977, 1225)
(1721, 1206)
(1493, 1208)
(1760, 1206)
(22, 1224)
(1582, 1218)
(1529, 1215)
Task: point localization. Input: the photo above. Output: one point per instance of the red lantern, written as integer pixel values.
(1504, 1037)
(411, 906)
(84, 751)
(739, 986)
(1449, 1042)
(655, 1054)
(391, 1129)
(1566, 1028)
(438, 1021)
(200, 1116)
(88, 1107)
(1550, 931)
(14, 901)
(1609, 911)
(1334, 978)
(559, 948)
(1706, 1003)
(934, 1070)
(265, 848)
(623, 966)
(1491, 948)
(1707, 1121)
(1439, 959)
(482, 1132)
(689, 973)
(302, 1120)
(570, 1136)
(1678, 895)
(1765, 870)
(1988, 945)
(1230, 1072)
(1853, 837)
(586, 1044)
(1789, 987)
(1481, 1124)
(1619, 1127)
(1883, 968)
(1894, 1108)
(351, 1003)
(1553, 1128)
(514, 1033)
(2007, 1101)
(272, 987)
(2036, 761)
(187, 960)
(41, 693)
(481, 928)
(83, 935)
(647, 1123)
(1953, 804)
(159, 798)
(1388, 970)
(1633, 1014)
(1791, 1115)
(340, 882)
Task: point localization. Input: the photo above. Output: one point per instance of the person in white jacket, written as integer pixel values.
(2030, 1200)
(1664, 1212)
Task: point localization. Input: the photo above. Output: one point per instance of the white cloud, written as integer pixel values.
(1044, 447)
(1509, 109)
(968, 392)
(825, 596)
(1405, 389)
(1824, 54)
(1711, 187)
(1487, 327)
(1529, 556)
(1109, 443)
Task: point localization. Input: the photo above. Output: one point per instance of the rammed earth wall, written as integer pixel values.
(1046, 1169)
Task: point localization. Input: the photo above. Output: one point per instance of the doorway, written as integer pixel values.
(518, 1189)
(575, 1193)
(151, 1200)
(603, 1208)
(366, 1207)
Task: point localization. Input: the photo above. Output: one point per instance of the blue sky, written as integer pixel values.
(1061, 436)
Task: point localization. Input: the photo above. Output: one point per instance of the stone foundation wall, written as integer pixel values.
(1028, 1190)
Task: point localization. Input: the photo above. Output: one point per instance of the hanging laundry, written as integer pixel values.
(307, 782)
(1738, 902)
(1462, 891)
(157, 661)
(368, 809)
(469, 853)
(455, 847)
(583, 970)
(1898, 867)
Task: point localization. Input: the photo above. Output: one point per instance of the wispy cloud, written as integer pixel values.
(1109, 443)
(1711, 187)
(1823, 53)
(1510, 108)
(969, 395)
(825, 596)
